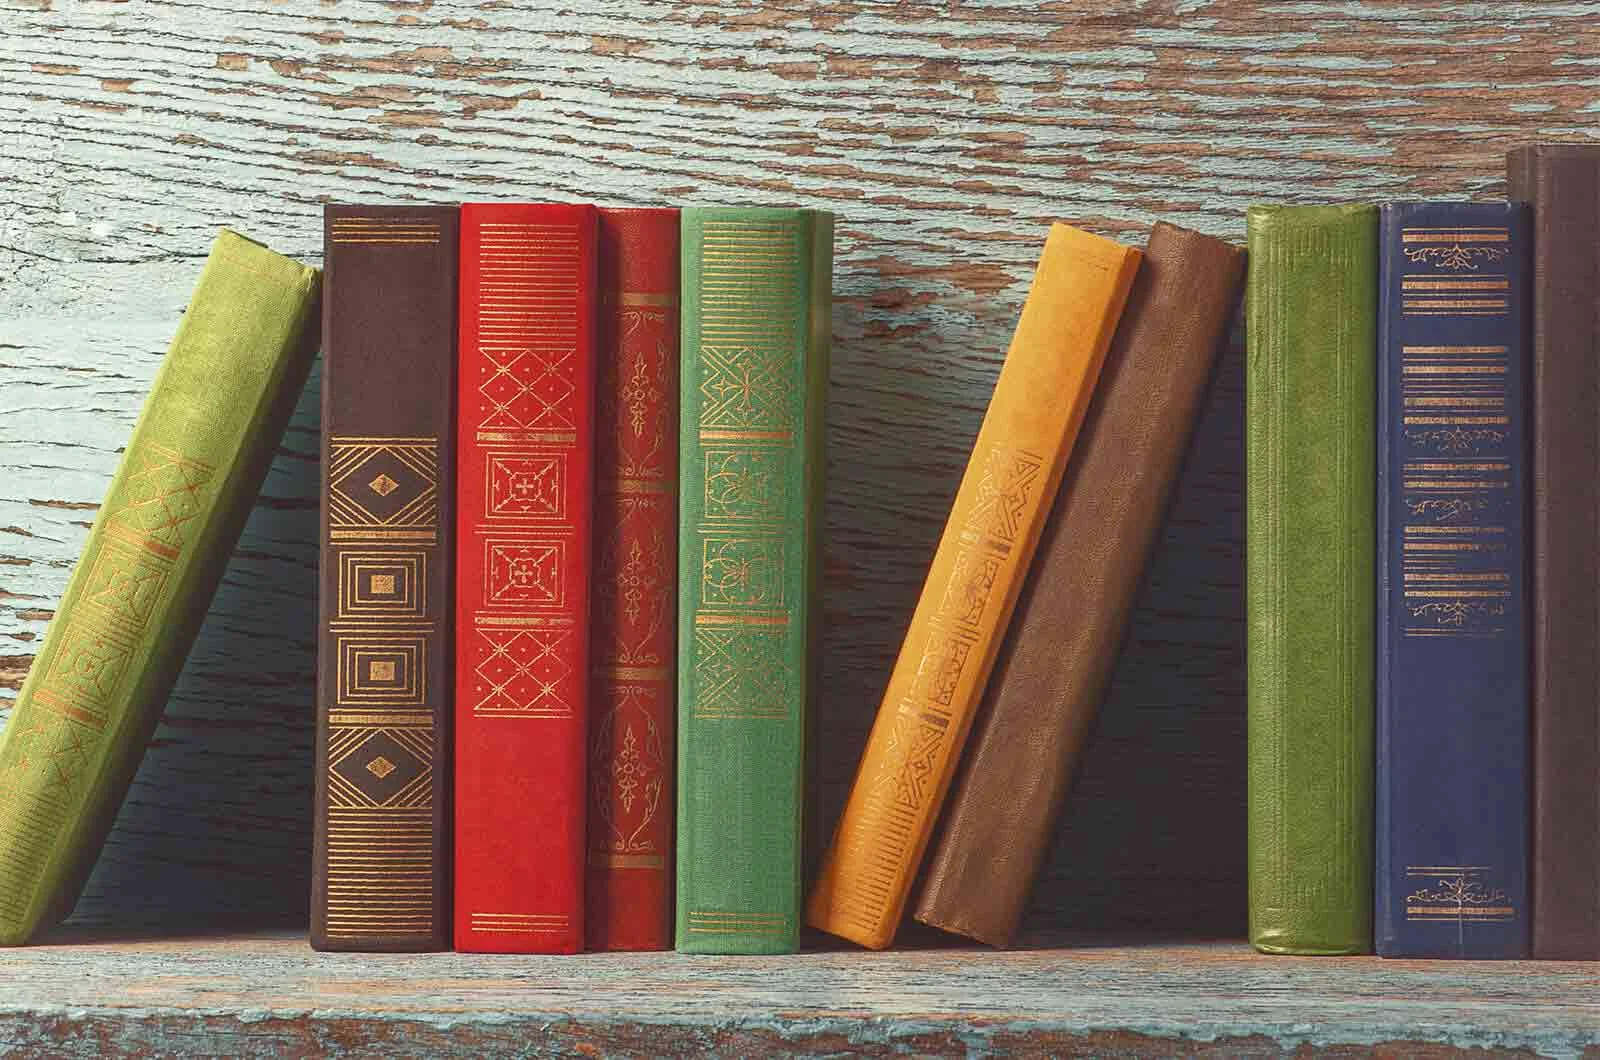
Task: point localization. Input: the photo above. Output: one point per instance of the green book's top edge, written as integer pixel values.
(256, 257)
(1281, 214)
(691, 212)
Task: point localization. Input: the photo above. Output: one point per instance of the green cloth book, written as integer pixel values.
(179, 499)
(1310, 591)
(756, 325)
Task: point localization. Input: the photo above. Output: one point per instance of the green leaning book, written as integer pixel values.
(1310, 589)
(186, 482)
(757, 294)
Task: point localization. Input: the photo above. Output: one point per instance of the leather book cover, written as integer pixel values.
(1017, 461)
(525, 452)
(757, 325)
(1310, 583)
(1452, 780)
(381, 853)
(634, 626)
(1562, 184)
(158, 547)
(1055, 663)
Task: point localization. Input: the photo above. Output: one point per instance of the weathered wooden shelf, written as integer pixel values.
(90, 994)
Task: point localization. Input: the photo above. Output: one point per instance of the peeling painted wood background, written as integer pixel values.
(270, 996)
(945, 135)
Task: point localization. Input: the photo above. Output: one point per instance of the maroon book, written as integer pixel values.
(634, 639)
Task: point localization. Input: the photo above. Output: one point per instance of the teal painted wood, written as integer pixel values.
(945, 138)
(271, 996)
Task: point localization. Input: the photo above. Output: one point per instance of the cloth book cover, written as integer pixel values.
(1016, 465)
(635, 610)
(1561, 182)
(160, 541)
(1057, 659)
(1452, 783)
(525, 464)
(381, 851)
(757, 299)
(1310, 582)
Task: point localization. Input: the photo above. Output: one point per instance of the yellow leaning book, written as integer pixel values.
(1010, 483)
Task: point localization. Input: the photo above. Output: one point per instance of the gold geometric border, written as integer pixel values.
(411, 579)
(406, 653)
(494, 596)
(557, 461)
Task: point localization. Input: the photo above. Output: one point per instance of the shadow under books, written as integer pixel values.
(215, 831)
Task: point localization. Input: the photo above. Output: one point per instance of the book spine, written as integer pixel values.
(525, 438)
(757, 284)
(158, 547)
(1073, 612)
(1452, 779)
(380, 870)
(634, 625)
(1017, 462)
(1310, 396)
(1562, 184)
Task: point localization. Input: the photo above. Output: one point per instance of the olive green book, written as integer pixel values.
(179, 499)
(756, 296)
(1310, 574)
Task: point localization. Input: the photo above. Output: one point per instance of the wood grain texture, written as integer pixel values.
(945, 135)
(268, 995)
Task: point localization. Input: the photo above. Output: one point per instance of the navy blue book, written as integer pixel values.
(1452, 766)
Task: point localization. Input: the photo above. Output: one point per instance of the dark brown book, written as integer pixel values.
(1074, 610)
(1563, 184)
(380, 876)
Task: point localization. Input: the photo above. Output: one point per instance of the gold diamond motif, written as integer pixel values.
(383, 485)
(383, 584)
(381, 767)
(381, 670)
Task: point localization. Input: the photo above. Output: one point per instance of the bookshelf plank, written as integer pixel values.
(269, 995)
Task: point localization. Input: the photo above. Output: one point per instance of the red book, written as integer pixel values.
(524, 529)
(634, 632)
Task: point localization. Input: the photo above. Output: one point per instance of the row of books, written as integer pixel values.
(1399, 362)
(503, 394)
(572, 474)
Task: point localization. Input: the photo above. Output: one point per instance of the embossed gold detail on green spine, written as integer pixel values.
(754, 361)
(151, 563)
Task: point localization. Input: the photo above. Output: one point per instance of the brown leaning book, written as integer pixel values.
(1069, 624)
(1562, 182)
(380, 868)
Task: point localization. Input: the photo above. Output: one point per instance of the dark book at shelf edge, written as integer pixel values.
(1561, 183)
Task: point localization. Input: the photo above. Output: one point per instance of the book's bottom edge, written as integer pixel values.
(1434, 953)
(755, 946)
(379, 945)
(877, 940)
(615, 946)
(1312, 949)
(474, 944)
(957, 926)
